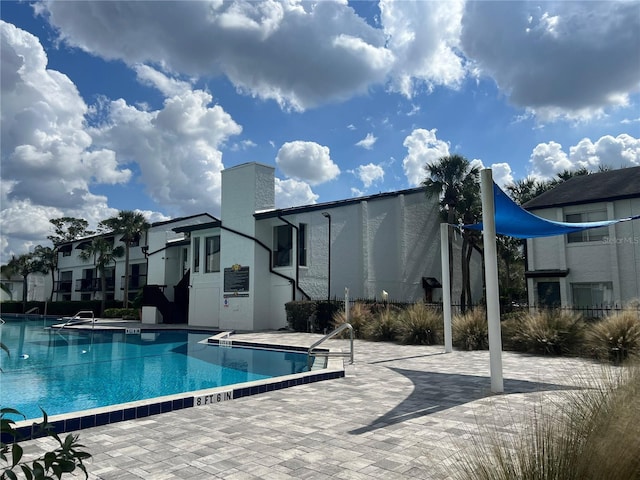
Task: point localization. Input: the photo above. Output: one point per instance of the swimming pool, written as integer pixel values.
(66, 371)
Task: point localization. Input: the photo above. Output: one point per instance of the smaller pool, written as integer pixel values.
(69, 371)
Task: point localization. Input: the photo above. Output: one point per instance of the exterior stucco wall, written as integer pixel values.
(77, 266)
(614, 259)
(204, 293)
(246, 189)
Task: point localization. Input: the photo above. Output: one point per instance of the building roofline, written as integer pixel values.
(197, 226)
(180, 219)
(337, 203)
(608, 186)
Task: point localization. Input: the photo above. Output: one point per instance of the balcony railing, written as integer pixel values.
(136, 282)
(63, 286)
(94, 285)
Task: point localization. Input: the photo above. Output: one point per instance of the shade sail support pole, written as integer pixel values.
(446, 287)
(491, 280)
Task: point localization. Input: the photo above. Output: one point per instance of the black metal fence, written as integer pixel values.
(587, 312)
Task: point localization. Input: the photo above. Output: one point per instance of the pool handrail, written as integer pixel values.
(329, 335)
(78, 319)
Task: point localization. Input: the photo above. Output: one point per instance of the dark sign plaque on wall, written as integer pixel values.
(236, 279)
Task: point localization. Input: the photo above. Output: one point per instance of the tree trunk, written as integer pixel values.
(468, 273)
(53, 284)
(465, 273)
(103, 288)
(25, 286)
(125, 301)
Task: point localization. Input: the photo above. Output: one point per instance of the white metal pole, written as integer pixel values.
(446, 287)
(346, 304)
(491, 280)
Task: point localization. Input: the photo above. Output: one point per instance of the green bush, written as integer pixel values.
(298, 314)
(384, 326)
(616, 337)
(324, 314)
(471, 331)
(61, 308)
(124, 313)
(420, 325)
(66, 458)
(549, 332)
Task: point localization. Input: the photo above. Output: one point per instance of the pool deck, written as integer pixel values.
(400, 412)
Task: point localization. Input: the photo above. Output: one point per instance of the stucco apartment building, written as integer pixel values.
(595, 267)
(238, 271)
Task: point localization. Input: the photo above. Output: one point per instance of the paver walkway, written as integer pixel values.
(402, 412)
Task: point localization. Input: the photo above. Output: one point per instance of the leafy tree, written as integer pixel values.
(67, 229)
(455, 182)
(521, 191)
(47, 259)
(103, 253)
(131, 226)
(23, 265)
(511, 267)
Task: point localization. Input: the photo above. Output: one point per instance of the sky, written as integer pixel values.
(139, 105)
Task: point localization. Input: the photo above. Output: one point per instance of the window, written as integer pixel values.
(110, 277)
(302, 244)
(196, 254)
(282, 245)
(185, 260)
(592, 294)
(135, 241)
(591, 235)
(212, 254)
(548, 294)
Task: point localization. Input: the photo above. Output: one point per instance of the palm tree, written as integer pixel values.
(131, 226)
(23, 265)
(47, 259)
(103, 254)
(455, 182)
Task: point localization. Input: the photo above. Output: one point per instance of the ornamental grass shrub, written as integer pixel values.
(360, 315)
(548, 332)
(470, 331)
(419, 325)
(615, 338)
(590, 433)
(383, 327)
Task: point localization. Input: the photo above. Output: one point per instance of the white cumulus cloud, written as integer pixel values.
(369, 174)
(368, 141)
(177, 148)
(558, 59)
(423, 147)
(307, 161)
(293, 193)
(49, 161)
(548, 159)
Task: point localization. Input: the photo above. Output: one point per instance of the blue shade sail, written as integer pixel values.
(513, 220)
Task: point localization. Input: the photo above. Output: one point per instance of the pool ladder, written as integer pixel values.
(77, 318)
(327, 353)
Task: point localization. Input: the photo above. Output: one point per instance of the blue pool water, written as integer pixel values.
(68, 371)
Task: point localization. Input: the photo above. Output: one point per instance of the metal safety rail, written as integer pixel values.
(327, 353)
(78, 318)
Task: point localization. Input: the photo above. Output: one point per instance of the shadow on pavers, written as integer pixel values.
(435, 392)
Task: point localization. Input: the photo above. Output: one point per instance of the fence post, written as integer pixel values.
(346, 304)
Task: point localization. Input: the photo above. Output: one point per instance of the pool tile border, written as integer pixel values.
(31, 429)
